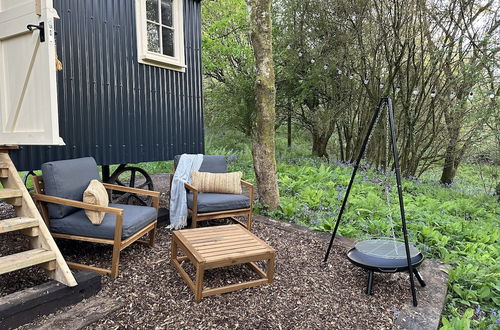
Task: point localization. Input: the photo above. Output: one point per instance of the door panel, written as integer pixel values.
(28, 86)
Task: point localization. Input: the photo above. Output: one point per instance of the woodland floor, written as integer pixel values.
(305, 294)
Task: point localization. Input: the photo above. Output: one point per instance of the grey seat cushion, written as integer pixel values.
(212, 202)
(134, 219)
(68, 179)
(211, 163)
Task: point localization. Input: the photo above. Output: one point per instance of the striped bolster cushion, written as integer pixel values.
(224, 183)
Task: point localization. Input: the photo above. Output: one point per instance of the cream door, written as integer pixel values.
(28, 87)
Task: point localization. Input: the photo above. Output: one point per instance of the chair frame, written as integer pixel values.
(197, 217)
(117, 242)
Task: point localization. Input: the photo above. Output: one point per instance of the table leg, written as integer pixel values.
(173, 249)
(198, 284)
(270, 269)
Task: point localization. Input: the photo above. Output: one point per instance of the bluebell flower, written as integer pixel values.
(230, 158)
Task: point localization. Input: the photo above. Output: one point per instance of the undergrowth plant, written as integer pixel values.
(457, 224)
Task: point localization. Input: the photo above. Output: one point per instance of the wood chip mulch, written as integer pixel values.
(305, 294)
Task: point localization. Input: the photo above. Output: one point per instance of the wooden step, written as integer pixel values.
(4, 171)
(10, 193)
(14, 224)
(12, 196)
(25, 259)
(47, 255)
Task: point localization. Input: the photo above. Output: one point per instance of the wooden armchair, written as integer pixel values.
(59, 199)
(209, 206)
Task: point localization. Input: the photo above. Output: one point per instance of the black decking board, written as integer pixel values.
(24, 306)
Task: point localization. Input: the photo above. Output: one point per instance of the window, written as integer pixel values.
(160, 35)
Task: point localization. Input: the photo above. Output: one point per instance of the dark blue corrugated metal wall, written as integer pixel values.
(110, 106)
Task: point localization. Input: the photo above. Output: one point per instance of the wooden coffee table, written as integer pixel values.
(220, 246)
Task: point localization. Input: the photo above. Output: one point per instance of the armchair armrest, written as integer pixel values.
(132, 190)
(250, 191)
(195, 196)
(154, 194)
(246, 184)
(77, 204)
(69, 202)
(190, 187)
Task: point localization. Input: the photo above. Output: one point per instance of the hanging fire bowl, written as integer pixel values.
(385, 256)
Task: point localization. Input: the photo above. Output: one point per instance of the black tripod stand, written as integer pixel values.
(387, 261)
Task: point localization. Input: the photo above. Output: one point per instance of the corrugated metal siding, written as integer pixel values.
(110, 106)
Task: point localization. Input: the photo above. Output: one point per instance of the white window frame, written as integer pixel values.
(145, 56)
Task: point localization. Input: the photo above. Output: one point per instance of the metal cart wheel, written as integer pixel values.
(134, 177)
(26, 178)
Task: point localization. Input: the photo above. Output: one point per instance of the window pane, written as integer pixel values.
(168, 41)
(166, 12)
(154, 38)
(152, 10)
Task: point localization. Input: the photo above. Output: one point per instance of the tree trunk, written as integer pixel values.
(451, 157)
(263, 150)
(341, 144)
(289, 131)
(449, 167)
(320, 142)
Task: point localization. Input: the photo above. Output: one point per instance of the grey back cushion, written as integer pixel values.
(211, 163)
(68, 179)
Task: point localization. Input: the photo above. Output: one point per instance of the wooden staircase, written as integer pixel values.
(44, 251)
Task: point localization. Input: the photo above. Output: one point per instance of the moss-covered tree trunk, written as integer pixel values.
(452, 157)
(450, 165)
(265, 96)
(455, 149)
(320, 142)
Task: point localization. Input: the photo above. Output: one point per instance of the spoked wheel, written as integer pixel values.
(26, 178)
(134, 177)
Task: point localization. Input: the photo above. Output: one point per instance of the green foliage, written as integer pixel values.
(457, 224)
(228, 65)
(225, 35)
(151, 167)
(236, 147)
(458, 323)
